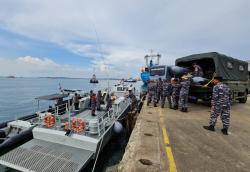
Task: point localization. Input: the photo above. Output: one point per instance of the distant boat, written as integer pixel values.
(93, 80)
(130, 80)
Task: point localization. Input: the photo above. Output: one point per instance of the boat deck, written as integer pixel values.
(39, 156)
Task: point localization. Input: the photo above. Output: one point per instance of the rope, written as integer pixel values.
(206, 85)
(97, 155)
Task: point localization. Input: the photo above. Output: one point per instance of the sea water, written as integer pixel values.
(17, 99)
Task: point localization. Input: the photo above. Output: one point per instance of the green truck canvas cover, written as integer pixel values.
(227, 67)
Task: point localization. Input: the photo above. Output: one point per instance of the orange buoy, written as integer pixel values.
(49, 120)
(78, 125)
(66, 125)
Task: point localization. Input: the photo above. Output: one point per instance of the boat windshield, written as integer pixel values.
(157, 70)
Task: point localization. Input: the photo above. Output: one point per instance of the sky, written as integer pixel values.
(111, 37)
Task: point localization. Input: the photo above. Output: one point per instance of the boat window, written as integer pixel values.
(160, 71)
(241, 68)
(229, 65)
(120, 89)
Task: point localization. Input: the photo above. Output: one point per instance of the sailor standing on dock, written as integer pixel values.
(183, 100)
(151, 92)
(167, 90)
(175, 92)
(220, 105)
(159, 87)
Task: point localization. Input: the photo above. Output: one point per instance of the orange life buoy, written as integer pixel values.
(49, 120)
(66, 125)
(78, 125)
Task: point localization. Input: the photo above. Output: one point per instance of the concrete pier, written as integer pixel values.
(169, 140)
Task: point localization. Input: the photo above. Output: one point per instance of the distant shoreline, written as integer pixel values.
(13, 77)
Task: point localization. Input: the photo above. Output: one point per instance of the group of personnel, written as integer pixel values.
(97, 99)
(176, 91)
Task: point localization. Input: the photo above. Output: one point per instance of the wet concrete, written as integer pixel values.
(194, 148)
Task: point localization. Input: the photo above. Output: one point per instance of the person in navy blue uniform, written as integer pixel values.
(220, 105)
(184, 90)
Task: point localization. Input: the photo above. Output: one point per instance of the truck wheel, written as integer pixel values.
(244, 99)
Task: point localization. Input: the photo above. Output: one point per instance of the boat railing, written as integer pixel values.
(95, 126)
(122, 105)
(102, 122)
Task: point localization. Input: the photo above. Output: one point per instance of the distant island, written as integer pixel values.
(52, 77)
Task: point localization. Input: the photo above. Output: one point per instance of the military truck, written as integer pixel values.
(234, 72)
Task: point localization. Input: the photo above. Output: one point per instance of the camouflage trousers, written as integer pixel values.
(98, 105)
(163, 100)
(151, 96)
(93, 107)
(159, 96)
(224, 115)
(175, 100)
(183, 101)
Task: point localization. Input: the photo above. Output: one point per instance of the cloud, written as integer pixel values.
(36, 61)
(120, 33)
(33, 66)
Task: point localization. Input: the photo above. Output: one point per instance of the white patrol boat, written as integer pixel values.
(67, 142)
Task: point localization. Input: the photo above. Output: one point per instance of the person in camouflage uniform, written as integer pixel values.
(133, 100)
(159, 88)
(198, 71)
(167, 91)
(220, 105)
(98, 100)
(184, 90)
(109, 102)
(151, 92)
(175, 92)
(93, 104)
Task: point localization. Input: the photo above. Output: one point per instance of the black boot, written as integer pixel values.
(175, 107)
(185, 110)
(224, 131)
(210, 128)
(155, 105)
(182, 110)
(162, 106)
(147, 103)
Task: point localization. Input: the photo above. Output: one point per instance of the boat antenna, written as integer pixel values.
(100, 51)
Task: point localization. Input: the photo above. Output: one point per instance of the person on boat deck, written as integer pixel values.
(90, 94)
(98, 100)
(93, 104)
(133, 99)
(76, 101)
(113, 97)
(198, 71)
(109, 102)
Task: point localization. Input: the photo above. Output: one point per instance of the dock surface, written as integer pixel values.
(169, 140)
